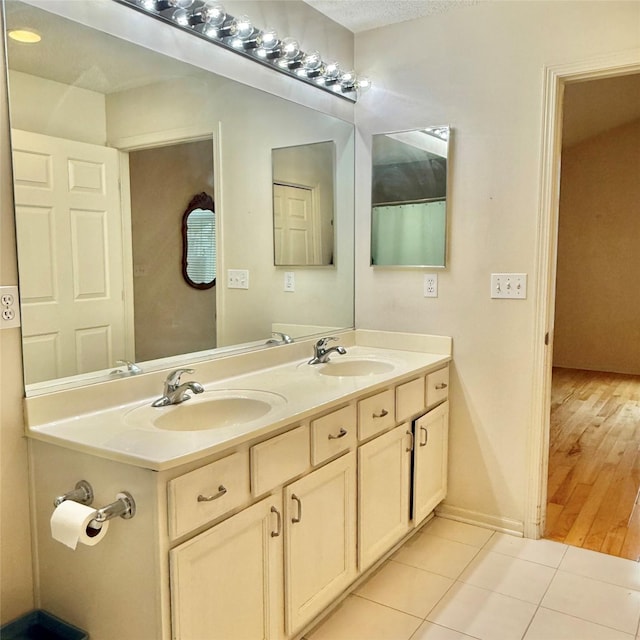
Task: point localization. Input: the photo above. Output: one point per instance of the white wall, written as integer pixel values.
(478, 68)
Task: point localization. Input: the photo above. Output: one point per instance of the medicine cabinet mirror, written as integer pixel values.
(303, 197)
(98, 115)
(409, 198)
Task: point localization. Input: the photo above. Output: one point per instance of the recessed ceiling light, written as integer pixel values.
(26, 36)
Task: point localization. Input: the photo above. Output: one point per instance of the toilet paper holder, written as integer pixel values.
(82, 493)
(124, 505)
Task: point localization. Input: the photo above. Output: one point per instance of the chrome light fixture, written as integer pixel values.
(209, 20)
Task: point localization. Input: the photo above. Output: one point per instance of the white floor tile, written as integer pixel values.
(482, 614)
(360, 619)
(429, 631)
(545, 552)
(605, 604)
(458, 531)
(405, 588)
(438, 555)
(509, 576)
(552, 625)
(599, 566)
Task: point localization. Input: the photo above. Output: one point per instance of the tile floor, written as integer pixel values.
(454, 581)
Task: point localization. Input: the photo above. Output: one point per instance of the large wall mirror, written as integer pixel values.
(110, 143)
(409, 198)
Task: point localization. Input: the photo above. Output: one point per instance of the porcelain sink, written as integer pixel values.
(349, 367)
(209, 410)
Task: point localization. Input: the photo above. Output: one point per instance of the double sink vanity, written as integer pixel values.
(259, 502)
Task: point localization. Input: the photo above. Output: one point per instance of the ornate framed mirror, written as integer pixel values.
(199, 242)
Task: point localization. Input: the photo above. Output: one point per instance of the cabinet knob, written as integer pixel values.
(441, 385)
(215, 496)
(341, 434)
(380, 414)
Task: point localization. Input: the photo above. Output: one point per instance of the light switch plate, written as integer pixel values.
(237, 278)
(289, 281)
(509, 285)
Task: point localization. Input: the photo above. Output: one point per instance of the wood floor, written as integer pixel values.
(594, 462)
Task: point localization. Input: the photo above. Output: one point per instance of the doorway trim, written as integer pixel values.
(555, 78)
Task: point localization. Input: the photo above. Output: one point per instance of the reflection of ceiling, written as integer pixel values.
(82, 57)
(362, 15)
(595, 106)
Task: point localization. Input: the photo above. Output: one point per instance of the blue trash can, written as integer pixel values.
(41, 625)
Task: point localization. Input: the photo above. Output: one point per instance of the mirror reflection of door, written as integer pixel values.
(69, 229)
(303, 204)
(294, 225)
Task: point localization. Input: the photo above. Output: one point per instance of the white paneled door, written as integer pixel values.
(294, 226)
(69, 229)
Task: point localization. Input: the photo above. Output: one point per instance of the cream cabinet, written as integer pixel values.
(320, 539)
(430, 461)
(384, 466)
(226, 583)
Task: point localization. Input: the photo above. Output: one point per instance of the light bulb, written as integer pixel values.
(213, 14)
(290, 49)
(181, 16)
(268, 39)
(347, 80)
(312, 64)
(363, 84)
(180, 4)
(242, 28)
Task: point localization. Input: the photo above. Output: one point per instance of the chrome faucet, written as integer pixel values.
(174, 392)
(321, 353)
(283, 338)
(131, 369)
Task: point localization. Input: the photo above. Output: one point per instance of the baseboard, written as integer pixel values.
(504, 525)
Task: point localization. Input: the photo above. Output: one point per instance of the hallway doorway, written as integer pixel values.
(594, 436)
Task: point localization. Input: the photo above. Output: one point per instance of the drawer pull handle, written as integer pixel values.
(441, 385)
(278, 531)
(299, 518)
(426, 437)
(221, 492)
(380, 414)
(410, 434)
(341, 434)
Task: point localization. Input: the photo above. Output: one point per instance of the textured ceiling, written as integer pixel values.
(362, 15)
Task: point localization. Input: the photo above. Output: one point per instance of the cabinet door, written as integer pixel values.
(320, 539)
(384, 468)
(430, 461)
(226, 583)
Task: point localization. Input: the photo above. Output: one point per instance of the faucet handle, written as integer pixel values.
(131, 366)
(173, 379)
(323, 341)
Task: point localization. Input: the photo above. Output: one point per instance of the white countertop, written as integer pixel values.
(123, 434)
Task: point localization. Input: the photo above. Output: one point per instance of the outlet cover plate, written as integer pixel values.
(509, 285)
(9, 307)
(430, 285)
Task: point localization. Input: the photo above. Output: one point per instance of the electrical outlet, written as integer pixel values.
(430, 285)
(509, 285)
(237, 278)
(289, 281)
(10, 314)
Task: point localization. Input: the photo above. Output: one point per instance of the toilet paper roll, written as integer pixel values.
(70, 524)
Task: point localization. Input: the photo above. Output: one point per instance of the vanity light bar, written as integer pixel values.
(209, 20)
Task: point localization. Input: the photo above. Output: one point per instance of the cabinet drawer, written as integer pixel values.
(207, 493)
(279, 459)
(333, 434)
(410, 399)
(437, 386)
(376, 414)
